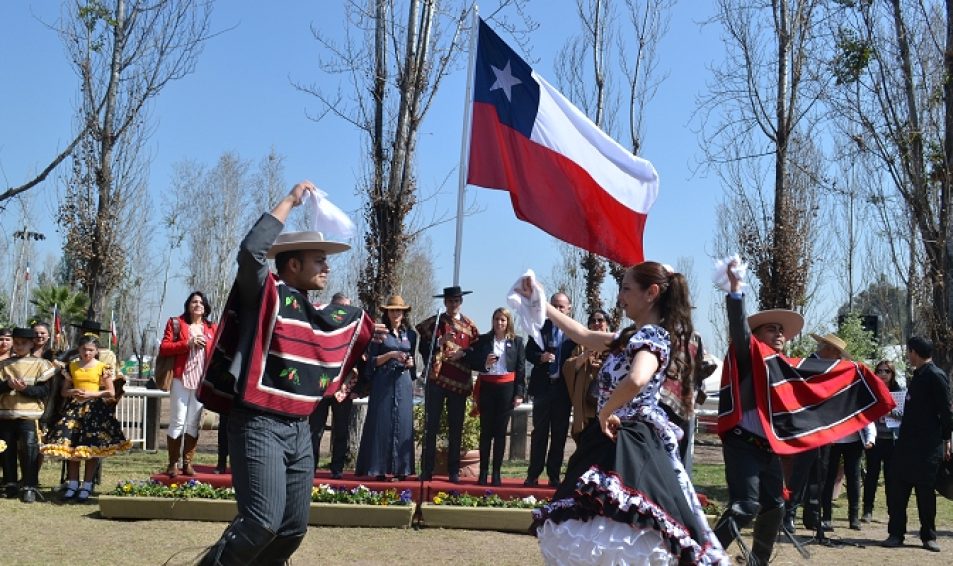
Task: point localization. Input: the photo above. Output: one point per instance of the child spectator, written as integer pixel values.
(24, 387)
(87, 430)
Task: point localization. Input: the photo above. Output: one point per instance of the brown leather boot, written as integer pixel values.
(188, 453)
(174, 445)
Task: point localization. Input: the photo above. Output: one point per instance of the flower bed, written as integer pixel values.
(453, 510)
(196, 501)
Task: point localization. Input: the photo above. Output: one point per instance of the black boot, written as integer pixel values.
(497, 478)
(765, 532)
(279, 551)
(790, 514)
(736, 517)
(240, 545)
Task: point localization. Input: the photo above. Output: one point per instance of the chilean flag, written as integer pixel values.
(564, 174)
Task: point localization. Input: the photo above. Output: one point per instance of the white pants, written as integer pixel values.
(185, 411)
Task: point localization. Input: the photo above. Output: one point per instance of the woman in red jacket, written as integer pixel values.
(189, 339)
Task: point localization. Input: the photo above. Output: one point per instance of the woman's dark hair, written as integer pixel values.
(404, 322)
(6, 331)
(675, 313)
(208, 308)
(87, 339)
(604, 314)
(892, 385)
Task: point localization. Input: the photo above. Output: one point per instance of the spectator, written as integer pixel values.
(551, 404)
(450, 380)
(189, 338)
(87, 431)
(880, 454)
(500, 359)
(924, 442)
(387, 442)
(25, 382)
(581, 371)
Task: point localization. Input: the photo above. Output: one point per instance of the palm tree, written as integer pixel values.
(70, 304)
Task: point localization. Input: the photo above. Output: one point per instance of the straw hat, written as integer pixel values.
(293, 241)
(395, 303)
(833, 341)
(790, 321)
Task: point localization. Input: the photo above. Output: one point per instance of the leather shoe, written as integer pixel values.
(867, 517)
(931, 545)
(454, 478)
(827, 526)
(553, 483)
(28, 495)
(892, 542)
(854, 525)
(425, 477)
(497, 480)
(531, 482)
(336, 475)
(481, 480)
(788, 525)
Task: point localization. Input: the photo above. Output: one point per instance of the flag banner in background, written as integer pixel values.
(564, 174)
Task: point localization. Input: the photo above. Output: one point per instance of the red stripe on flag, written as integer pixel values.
(551, 191)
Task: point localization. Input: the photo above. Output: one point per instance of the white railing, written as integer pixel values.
(132, 414)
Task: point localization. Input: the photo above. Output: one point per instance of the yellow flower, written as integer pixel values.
(173, 486)
(437, 500)
(127, 488)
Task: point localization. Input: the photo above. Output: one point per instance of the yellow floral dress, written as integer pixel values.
(88, 428)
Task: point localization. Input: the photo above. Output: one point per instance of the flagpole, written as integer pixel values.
(465, 143)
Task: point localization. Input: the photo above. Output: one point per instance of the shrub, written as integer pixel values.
(488, 499)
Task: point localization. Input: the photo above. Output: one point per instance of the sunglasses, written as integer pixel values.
(598, 319)
(883, 370)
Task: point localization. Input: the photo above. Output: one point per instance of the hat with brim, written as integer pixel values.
(21, 332)
(454, 291)
(303, 241)
(790, 321)
(833, 341)
(395, 303)
(90, 326)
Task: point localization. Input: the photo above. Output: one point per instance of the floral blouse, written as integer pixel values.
(617, 367)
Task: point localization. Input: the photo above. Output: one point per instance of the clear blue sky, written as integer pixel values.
(240, 99)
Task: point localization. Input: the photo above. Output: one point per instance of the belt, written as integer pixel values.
(751, 438)
(497, 378)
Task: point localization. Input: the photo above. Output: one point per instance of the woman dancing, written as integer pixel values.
(626, 498)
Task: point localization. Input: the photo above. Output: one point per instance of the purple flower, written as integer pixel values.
(405, 496)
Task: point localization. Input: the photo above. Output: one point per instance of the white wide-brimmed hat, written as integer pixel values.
(294, 241)
(790, 321)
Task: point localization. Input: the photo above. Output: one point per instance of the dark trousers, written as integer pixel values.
(897, 498)
(496, 407)
(222, 441)
(272, 469)
(877, 457)
(551, 410)
(753, 474)
(340, 420)
(23, 445)
(850, 452)
(456, 404)
(815, 464)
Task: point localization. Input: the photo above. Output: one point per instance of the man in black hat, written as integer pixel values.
(24, 388)
(449, 382)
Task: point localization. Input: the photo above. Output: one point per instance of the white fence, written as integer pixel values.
(133, 415)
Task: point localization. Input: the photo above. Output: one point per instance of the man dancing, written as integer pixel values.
(285, 355)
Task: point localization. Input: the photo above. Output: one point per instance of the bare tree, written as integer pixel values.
(757, 122)
(268, 183)
(893, 69)
(125, 53)
(213, 229)
(399, 57)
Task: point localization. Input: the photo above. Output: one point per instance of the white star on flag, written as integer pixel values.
(505, 80)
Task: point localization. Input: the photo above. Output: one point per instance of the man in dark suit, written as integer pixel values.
(551, 403)
(924, 443)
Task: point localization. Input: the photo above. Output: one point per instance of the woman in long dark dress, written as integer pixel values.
(387, 443)
(626, 498)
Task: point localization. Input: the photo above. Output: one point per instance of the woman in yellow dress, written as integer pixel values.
(87, 431)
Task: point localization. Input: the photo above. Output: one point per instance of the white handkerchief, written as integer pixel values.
(719, 274)
(530, 313)
(326, 217)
